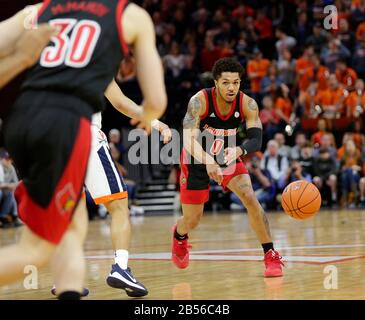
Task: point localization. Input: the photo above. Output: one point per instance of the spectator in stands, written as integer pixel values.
(325, 173)
(275, 163)
(345, 75)
(269, 118)
(262, 184)
(322, 130)
(8, 183)
(327, 141)
(295, 172)
(264, 26)
(300, 141)
(302, 29)
(341, 150)
(257, 69)
(333, 52)
(357, 134)
(174, 61)
(319, 37)
(284, 42)
(319, 72)
(307, 101)
(272, 81)
(286, 68)
(346, 36)
(303, 66)
(355, 101)
(351, 169)
(284, 149)
(283, 105)
(306, 159)
(210, 53)
(332, 100)
(358, 57)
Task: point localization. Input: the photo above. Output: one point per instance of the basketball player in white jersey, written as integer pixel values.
(106, 187)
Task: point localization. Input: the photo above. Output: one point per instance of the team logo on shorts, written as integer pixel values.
(183, 179)
(66, 199)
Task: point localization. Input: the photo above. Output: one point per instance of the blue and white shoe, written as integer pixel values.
(123, 279)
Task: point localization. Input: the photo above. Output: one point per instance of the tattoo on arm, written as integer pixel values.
(192, 116)
(252, 105)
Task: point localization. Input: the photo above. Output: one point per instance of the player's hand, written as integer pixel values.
(141, 124)
(32, 42)
(166, 135)
(164, 130)
(215, 172)
(231, 154)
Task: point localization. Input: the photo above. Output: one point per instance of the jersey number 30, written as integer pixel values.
(74, 50)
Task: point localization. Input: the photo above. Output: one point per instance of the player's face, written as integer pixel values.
(228, 85)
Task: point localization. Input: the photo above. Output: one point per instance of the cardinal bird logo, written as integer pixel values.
(66, 199)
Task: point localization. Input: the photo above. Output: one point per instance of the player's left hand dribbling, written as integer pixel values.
(231, 154)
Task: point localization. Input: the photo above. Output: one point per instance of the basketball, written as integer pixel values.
(301, 199)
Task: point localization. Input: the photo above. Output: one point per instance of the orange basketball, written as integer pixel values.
(301, 199)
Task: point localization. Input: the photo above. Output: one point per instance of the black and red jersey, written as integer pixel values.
(85, 56)
(220, 131)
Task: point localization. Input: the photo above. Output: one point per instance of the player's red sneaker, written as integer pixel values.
(179, 251)
(273, 264)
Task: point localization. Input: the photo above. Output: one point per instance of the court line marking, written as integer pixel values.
(223, 255)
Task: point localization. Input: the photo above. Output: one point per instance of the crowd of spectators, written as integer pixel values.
(307, 80)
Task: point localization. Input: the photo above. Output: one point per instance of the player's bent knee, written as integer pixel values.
(118, 206)
(249, 199)
(192, 222)
(41, 254)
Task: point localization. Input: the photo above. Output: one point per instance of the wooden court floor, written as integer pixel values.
(324, 259)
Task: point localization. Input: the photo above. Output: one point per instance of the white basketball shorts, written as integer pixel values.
(103, 180)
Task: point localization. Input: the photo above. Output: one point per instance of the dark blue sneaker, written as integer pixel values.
(85, 292)
(123, 279)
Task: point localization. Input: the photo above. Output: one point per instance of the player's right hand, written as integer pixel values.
(32, 42)
(215, 172)
(141, 124)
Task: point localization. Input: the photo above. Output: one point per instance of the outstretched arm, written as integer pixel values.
(254, 133)
(20, 48)
(139, 31)
(129, 108)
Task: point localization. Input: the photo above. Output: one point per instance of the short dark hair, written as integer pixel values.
(226, 65)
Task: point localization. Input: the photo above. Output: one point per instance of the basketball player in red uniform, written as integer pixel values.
(213, 116)
(48, 130)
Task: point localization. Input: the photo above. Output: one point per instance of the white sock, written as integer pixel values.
(121, 257)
